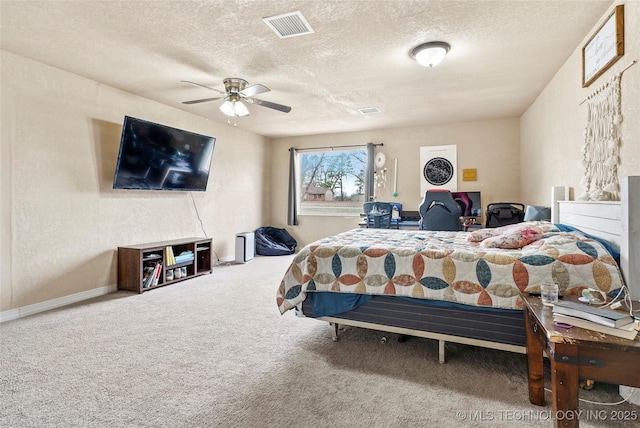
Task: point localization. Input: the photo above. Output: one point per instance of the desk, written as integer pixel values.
(395, 224)
(573, 353)
(408, 224)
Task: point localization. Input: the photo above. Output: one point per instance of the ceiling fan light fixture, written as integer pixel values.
(241, 109)
(234, 108)
(430, 54)
(228, 108)
(236, 91)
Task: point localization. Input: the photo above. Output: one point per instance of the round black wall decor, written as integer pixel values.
(438, 171)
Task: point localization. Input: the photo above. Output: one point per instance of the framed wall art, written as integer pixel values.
(604, 48)
(438, 168)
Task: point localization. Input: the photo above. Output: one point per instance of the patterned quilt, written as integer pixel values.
(446, 266)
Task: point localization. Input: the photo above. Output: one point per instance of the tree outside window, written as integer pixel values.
(332, 182)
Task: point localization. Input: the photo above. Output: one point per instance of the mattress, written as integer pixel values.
(446, 266)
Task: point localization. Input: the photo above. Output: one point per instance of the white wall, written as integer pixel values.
(491, 146)
(61, 220)
(552, 129)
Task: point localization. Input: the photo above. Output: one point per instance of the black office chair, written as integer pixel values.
(439, 211)
(378, 214)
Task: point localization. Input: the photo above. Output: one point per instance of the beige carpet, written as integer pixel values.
(215, 352)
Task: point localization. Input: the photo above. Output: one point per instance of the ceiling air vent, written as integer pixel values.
(289, 24)
(369, 110)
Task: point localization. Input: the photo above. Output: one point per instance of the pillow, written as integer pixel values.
(546, 226)
(481, 234)
(515, 237)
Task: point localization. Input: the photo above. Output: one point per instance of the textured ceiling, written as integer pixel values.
(503, 53)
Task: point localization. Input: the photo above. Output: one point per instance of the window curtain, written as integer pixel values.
(292, 210)
(369, 176)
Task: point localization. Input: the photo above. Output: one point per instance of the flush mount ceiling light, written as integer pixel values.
(430, 54)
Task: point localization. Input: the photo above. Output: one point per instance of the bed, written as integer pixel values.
(441, 286)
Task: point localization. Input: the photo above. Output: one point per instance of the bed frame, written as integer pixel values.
(618, 222)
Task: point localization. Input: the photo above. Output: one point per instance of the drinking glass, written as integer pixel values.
(549, 294)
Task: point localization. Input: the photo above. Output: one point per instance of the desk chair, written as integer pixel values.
(439, 211)
(378, 214)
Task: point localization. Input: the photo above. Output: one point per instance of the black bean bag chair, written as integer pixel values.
(271, 241)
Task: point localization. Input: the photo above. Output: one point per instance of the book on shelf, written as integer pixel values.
(156, 278)
(151, 275)
(169, 256)
(607, 317)
(628, 331)
(147, 275)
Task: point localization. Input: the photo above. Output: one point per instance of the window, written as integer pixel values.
(332, 182)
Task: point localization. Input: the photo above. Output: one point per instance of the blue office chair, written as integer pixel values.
(378, 214)
(439, 211)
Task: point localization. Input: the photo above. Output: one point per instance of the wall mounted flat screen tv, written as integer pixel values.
(470, 202)
(158, 157)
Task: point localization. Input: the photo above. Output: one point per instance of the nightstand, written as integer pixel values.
(573, 353)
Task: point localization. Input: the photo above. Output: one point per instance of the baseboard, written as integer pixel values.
(225, 260)
(24, 311)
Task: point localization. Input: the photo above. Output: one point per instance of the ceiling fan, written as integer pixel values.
(236, 91)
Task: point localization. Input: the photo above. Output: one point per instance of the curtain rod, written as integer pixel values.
(332, 147)
(621, 71)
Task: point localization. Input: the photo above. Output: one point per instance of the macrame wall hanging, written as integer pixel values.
(601, 149)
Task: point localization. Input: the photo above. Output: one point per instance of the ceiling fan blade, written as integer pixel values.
(279, 107)
(204, 100)
(252, 90)
(204, 86)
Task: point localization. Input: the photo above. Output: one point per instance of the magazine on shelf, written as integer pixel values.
(607, 317)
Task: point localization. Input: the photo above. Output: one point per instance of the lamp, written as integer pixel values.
(431, 53)
(234, 108)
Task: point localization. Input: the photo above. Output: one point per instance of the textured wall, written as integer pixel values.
(552, 129)
(62, 221)
(492, 147)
